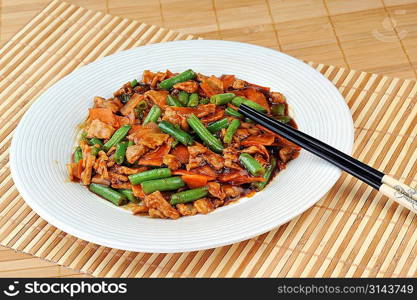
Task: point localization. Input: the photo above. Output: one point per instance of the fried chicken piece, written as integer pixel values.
(157, 97)
(258, 149)
(214, 188)
(214, 159)
(100, 180)
(196, 149)
(277, 97)
(153, 140)
(231, 158)
(195, 162)
(129, 107)
(157, 201)
(100, 130)
(238, 84)
(88, 170)
(186, 209)
(203, 206)
(114, 104)
(133, 153)
(205, 170)
(232, 191)
(212, 86)
(140, 209)
(241, 134)
(187, 86)
(100, 164)
(171, 161)
(287, 153)
(121, 185)
(154, 213)
(117, 177)
(129, 171)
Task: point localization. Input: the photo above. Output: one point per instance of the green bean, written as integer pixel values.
(170, 82)
(247, 120)
(221, 99)
(216, 126)
(176, 133)
(124, 98)
(183, 98)
(251, 164)
(268, 173)
(193, 100)
(95, 141)
(149, 175)
(117, 137)
(232, 112)
(153, 115)
(119, 155)
(283, 119)
(204, 101)
(173, 101)
(188, 196)
(212, 142)
(133, 83)
(108, 193)
(78, 154)
(237, 101)
(129, 195)
(234, 125)
(278, 109)
(166, 184)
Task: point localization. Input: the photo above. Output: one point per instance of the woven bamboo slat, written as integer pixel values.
(353, 231)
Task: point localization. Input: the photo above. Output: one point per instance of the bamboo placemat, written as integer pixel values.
(352, 231)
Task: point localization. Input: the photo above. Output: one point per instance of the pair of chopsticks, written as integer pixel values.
(387, 185)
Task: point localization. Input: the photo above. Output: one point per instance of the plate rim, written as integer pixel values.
(97, 240)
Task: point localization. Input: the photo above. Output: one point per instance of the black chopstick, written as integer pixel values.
(324, 151)
(376, 179)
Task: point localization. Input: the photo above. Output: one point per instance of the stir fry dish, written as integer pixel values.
(174, 144)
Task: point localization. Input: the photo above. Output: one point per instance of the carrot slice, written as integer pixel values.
(263, 139)
(245, 179)
(154, 158)
(232, 175)
(256, 96)
(188, 173)
(227, 80)
(280, 141)
(138, 192)
(195, 180)
(181, 153)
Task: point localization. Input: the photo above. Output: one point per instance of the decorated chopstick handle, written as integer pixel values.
(400, 187)
(399, 197)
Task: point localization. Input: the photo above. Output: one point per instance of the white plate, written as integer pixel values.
(45, 139)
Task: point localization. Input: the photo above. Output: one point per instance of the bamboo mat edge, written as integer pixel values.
(322, 68)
